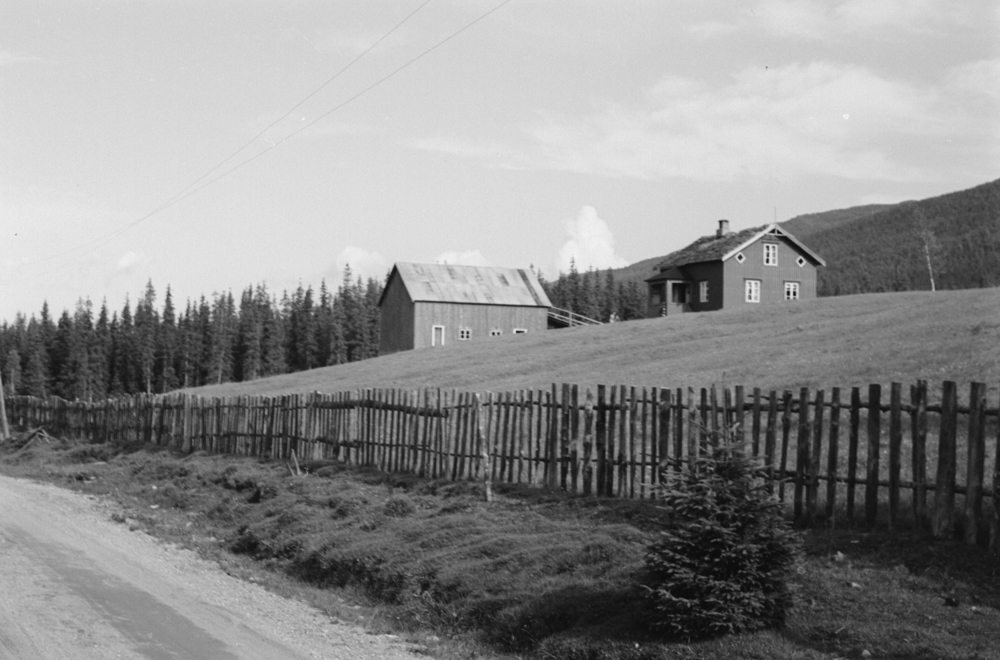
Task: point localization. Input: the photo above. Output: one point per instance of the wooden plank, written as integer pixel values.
(623, 417)
(976, 462)
(588, 444)
(564, 435)
(833, 457)
(994, 545)
(574, 408)
(943, 526)
(802, 462)
(552, 442)
(483, 445)
(520, 434)
(786, 432)
(739, 414)
(632, 457)
(770, 437)
(918, 427)
(693, 446)
(874, 427)
(815, 454)
(609, 464)
(895, 450)
(853, 440)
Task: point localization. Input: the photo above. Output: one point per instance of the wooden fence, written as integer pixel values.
(849, 459)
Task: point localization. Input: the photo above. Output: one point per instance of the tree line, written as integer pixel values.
(596, 294)
(946, 242)
(147, 348)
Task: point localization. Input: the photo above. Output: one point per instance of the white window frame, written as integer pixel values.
(752, 291)
(434, 329)
(703, 291)
(770, 254)
(520, 331)
(496, 332)
(792, 290)
(464, 334)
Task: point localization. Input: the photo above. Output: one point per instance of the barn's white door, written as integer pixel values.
(437, 337)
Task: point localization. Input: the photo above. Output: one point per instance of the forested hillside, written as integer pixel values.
(146, 348)
(952, 240)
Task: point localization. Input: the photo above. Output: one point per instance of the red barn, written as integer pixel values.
(425, 305)
(760, 265)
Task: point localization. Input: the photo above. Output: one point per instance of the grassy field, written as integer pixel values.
(534, 574)
(842, 341)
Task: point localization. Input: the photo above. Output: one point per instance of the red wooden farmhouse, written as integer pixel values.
(729, 269)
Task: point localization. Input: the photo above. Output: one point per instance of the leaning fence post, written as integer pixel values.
(484, 448)
(4, 429)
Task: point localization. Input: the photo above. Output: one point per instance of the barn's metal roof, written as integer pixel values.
(715, 248)
(478, 285)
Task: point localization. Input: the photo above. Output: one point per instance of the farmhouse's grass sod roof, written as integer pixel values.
(716, 248)
(708, 248)
(477, 285)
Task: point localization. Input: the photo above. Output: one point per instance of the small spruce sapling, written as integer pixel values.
(721, 565)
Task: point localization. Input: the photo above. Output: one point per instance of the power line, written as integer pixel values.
(191, 191)
(103, 240)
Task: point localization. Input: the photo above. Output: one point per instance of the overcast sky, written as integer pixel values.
(605, 131)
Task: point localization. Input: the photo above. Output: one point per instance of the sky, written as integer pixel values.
(209, 145)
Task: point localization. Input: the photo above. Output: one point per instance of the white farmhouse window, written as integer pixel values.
(496, 332)
(520, 331)
(791, 290)
(770, 254)
(703, 291)
(740, 258)
(753, 291)
(464, 334)
(801, 262)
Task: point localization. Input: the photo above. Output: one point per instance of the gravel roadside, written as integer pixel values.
(75, 584)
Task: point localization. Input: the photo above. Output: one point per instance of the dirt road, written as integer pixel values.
(74, 584)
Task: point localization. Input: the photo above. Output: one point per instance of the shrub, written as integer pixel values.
(721, 565)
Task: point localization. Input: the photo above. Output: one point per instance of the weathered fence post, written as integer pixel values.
(918, 398)
(895, 450)
(976, 461)
(832, 457)
(944, 491)
(484, 449)
(874, 449)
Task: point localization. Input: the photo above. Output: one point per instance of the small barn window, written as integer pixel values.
(496, 332)
(753, 291)
(740, 258)
(770, 254)
(520, 331)
(464, 334)
(703, 291)
(801, 262)
(791, 290)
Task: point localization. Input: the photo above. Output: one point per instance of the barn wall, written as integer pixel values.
(481, 319)
(773, 278)
(396, 330)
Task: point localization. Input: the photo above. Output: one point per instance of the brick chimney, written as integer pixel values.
(723, 228)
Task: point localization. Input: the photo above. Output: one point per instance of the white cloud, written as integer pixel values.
(362, 262)
(591, 244)
(466, 258)
(130, 261)
(777, 122)
(825, 21)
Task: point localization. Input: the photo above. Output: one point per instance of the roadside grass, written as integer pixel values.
(533, 574)
(841, 341)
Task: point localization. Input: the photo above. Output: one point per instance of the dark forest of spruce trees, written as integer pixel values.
(156, 347)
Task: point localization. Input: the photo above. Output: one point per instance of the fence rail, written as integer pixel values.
(823, 454)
